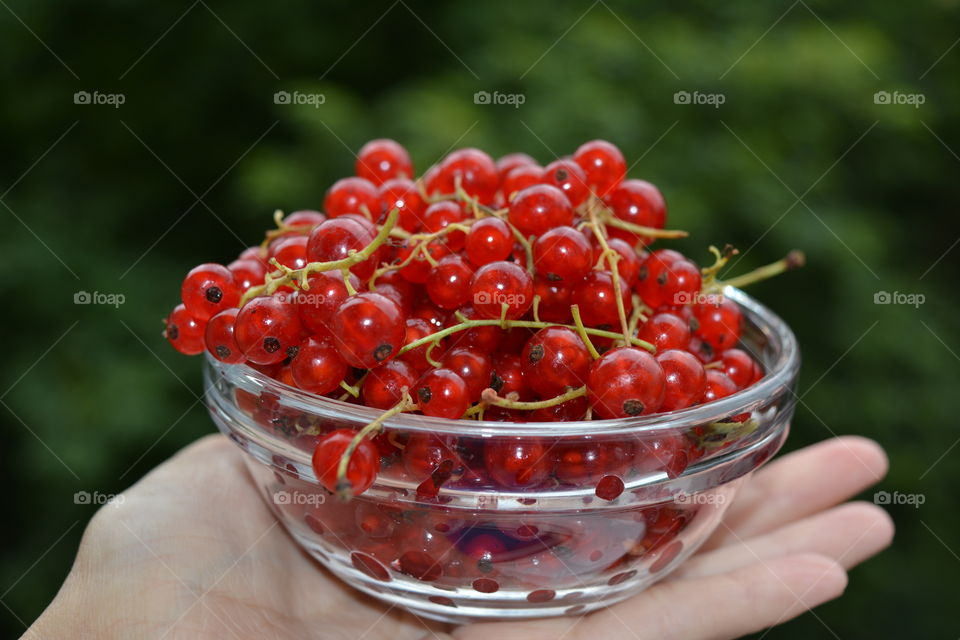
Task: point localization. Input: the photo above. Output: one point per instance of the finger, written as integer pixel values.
(729, 605)
(848, 535)
(800, 484)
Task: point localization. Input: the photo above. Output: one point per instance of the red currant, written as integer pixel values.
(402, 194)
(383, 159)
(603, 165)
(683, 378)
(361, 470)
(368, 329)
(665, 331)
(567, 176)
(219, 337)
(475, 170)
(384, 386)
(740, 367)
(184, 331)
(535, 210)
(555, 359)
(473, 367)
(625, 382)
(516, 463)
(352, 195)
(336, 238)
(443, 394)
(489, 240)
(562, 253)
(440, 215)
(667, 283)
(268, 329)
(595, 297)
(209, 289)
(637, 202)
(718, 323)
(318, 367)
(501, 285)
(520, 178)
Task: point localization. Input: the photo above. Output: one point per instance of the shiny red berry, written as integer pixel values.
(184, 331)
(596, 299)
(562, 253)
(268, 329)
(665, 331)
(219, 337)
(637, 202)
(318, 367)
(368, 329)
(383, 159)
(516, 462)
(567, 176)
(208, 289)
(352, 195)
(361, 470)
(384, 386)
(501, 285)
(443, 394)
(402, 194)
(553, 360)
(537, 209)
(683, 377)
(625, 382)
(489, 240)
(718, 323)
(603, 164)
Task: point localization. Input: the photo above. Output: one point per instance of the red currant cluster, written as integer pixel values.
(483, 290)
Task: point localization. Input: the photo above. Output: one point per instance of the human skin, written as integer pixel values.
(193, 552)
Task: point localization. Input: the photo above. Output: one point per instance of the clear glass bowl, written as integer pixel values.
(603, 510)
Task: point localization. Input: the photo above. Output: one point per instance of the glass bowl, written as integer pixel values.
(594, 512)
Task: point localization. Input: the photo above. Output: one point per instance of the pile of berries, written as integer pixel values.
(494, 290)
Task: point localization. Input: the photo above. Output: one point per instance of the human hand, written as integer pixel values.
(194, 552)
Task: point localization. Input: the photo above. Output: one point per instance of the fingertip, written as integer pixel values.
(869, 453)
(819, 578)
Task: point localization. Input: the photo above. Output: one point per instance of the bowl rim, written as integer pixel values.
(781, 373)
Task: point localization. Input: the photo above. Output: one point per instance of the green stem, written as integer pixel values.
(344, 488)
(490, 397)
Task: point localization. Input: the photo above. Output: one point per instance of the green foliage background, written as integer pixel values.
(104, 199)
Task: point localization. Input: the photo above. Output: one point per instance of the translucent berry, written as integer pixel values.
(318, 367)
(383, 159)
(443, 394)
(625, 382)
(352, 195)
(361, 470)
(219, 337)
(208, 289)
(603, 165)
(184, 331)
(368, 329)
(553, 360)
(501, 285)
(268, 329)
(535, 210)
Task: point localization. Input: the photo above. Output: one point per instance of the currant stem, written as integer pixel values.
(300, 275)
(612, 258)
(344, 488)
(578, 321)
(525, 324)
(649, 232)
(490, 397)
(793, 260)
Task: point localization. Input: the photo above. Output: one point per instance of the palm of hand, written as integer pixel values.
(193, 552)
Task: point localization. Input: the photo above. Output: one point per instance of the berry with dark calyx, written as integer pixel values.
(402, 194)
(603, 165)
(362, 469)
(718, 323)
(625, 382)
(441, 393)
(475, 170)
(317, 304)
(683, 377)
(501, 284)
(247, 273)
(384, 386)
(336, 238)
(352, 195)
(219, 337)
(595, 297)
(448, 284)
(318, 367)
(489, 240)
(442, 214)
(562, 253)
(665, 331)
(508, 376)
(511, 161)
(537, 209)
(516, 462)
(637, 202)
(208, 289)
(268, 329)
(368, 329)
(567, 176)
(740, 367)
(519, 179)
(553, 360)
(473, 367)
(664, 283)
(383, 159)
(184, 331)
(702, 350)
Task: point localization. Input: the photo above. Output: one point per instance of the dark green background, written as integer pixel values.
(104, 199)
